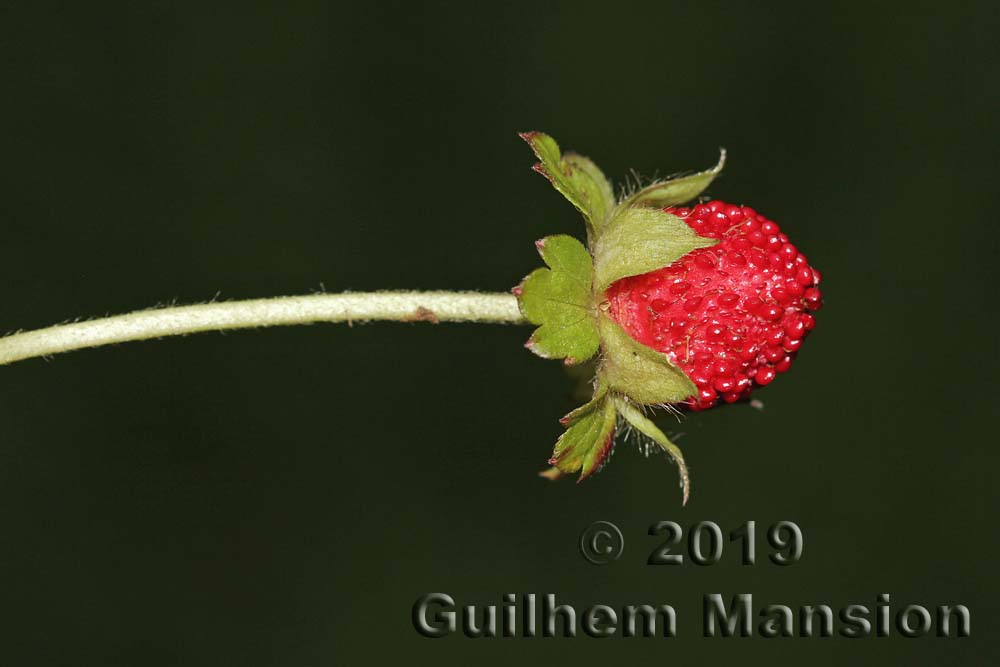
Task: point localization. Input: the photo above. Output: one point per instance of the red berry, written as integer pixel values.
(813, 299)
(731, 316)
(764, 376)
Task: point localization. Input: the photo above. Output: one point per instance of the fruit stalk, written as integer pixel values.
(350, 307)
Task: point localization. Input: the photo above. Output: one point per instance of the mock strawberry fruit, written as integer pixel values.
(678, 306)
(730, 316)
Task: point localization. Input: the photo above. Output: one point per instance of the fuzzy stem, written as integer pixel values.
(348, 307)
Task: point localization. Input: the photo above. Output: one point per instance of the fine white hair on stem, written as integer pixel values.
(350, 307)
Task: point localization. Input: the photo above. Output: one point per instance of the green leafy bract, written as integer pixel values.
(639, 240)
(641, 423)
(589, 436)
(639, 372)
(559, 299)
(576, 177)
(677, 190)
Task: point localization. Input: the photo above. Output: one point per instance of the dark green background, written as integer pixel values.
(282, 497)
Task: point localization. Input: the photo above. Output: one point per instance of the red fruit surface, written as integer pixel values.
(731, 316)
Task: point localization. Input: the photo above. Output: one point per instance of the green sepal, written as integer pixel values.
(576, 177)
(641, 423)
(588, 438)
(639, 240)
(644, 375)
(559, 299)
(677, 190)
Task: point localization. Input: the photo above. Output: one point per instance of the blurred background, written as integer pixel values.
(281, 497)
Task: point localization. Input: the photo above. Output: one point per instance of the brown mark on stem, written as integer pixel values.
(422, 314)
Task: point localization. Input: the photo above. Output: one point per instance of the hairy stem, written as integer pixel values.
(347, 307)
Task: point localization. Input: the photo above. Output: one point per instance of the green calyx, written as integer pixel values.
(567, 300)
